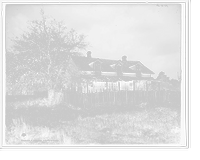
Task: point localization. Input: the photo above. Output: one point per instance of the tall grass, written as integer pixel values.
(24, 134)
(158, 126)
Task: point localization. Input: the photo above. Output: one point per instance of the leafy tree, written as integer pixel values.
(165, 83)
(9, 84)
(40, 58)
(175, 84)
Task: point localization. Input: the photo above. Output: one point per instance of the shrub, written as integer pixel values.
(54, 97)
(30, 102)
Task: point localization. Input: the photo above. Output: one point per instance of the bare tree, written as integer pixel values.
(40, 57)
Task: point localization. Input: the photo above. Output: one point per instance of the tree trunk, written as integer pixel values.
(54, 97)
(51, 94)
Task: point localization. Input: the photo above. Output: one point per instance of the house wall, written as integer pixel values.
(129, 74)
(108, 73)
(139, 74)
(146, 75)
(98, 73)
(88, 72)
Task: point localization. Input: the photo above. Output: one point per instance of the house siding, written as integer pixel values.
(109, 74)
(139, 74)
(146, 75)
(129, 74)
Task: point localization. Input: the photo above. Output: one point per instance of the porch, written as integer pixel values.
(98, 84)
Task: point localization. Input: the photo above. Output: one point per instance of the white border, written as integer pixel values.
(186, 79)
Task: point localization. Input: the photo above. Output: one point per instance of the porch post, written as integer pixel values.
(158, 86)
(147, 86)
(112, 86)
(87, 87)
(119, 85)
(106, 86)
(71, 87)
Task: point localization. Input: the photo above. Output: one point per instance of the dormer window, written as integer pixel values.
(138, 68)
(97, 66)
(119, 67)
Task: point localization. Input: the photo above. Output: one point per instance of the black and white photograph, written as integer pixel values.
(95, 74)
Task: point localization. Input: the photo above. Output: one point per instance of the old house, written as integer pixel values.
(100, 75)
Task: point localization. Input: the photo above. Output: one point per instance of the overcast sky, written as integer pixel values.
(148, 33)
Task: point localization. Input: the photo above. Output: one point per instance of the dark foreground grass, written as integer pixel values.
(155, 126)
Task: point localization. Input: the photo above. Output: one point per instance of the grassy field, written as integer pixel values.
(159, 125)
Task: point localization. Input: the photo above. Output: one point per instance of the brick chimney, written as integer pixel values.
(124, 58)
(89, 54)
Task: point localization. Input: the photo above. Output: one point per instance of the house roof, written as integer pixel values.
(111, 79)
(119, 61)
(80, 63)
(133, 63)
(145, 70)
(94, 60)
(83, 63)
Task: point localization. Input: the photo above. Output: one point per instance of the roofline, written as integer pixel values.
(147, 72)
(119, 61)
(136, 64)
(117, 78)
(96, 60)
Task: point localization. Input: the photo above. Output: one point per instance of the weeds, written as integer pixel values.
(30, 102)
(147, 127)
(158, 126)
(23, 134)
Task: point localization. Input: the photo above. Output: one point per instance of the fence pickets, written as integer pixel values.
(115, 98)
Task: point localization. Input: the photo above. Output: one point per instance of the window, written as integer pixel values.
(137, 68)
(97, 66)
(119, 67)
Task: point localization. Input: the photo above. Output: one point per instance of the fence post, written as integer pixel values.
(97, 98)
(160, 98)
(123, 98)
(82, 100)
(75, 99)
(79, 97)
(69, 98)
(109, 98)
(86, 99)
(89, 95)
(117, 97)
(126, 94)
(163, 95)
(140, 96)
(92, 99)
(72, 96)
(113, 97)
(103, 98)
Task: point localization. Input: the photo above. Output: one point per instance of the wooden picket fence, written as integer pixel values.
(115, 98)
